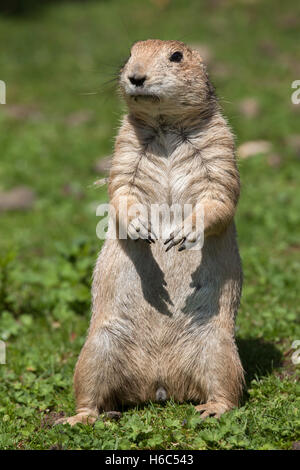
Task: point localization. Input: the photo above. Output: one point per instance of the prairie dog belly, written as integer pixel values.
(160, 309)
(145, 278)
(147, 281)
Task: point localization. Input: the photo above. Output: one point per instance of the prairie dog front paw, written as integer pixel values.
(189, 234)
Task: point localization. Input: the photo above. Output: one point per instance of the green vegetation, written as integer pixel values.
(51, 135)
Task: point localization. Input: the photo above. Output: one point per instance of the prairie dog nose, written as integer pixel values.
(137, 80)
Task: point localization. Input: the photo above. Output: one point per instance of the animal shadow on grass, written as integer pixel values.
(259, 358)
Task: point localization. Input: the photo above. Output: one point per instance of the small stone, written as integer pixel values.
(74, 190)
(293, 141)
(49, 419)
(161, 3)
(115, 415)
(251, 148)
(22, 112)
(268, 47)
(274, 160)
(18, 198)
(249, 107)
(78, 118)
(296, 445)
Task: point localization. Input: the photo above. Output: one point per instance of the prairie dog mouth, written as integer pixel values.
(143, 95)
(146, 97)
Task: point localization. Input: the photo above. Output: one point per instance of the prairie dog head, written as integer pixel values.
(167, 78)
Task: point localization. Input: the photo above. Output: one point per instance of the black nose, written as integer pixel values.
(137, 80)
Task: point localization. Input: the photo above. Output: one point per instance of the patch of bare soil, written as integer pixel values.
(288, 369)
(49, 419)
(79, 117)
(19, 198)
(112, 415)
(274, 160)
(23, 112)
(249, 107)
(293, 141)
(254, 147)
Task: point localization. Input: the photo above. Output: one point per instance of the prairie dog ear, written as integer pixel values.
(196, 55)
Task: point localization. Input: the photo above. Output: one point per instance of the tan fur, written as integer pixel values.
(164, 321)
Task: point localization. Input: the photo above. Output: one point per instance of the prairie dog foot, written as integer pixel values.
(115, 415)
(189, 234)
(212, 409)
(84, 418)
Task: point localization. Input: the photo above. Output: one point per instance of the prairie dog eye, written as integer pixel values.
(176, 56)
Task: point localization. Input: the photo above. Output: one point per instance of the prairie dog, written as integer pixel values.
(163, 314)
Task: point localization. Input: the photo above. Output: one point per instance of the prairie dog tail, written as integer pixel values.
(161, 394)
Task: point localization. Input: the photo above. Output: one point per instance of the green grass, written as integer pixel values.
(47, 254)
